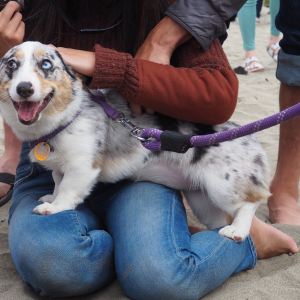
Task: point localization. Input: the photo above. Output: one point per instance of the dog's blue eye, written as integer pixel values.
(12, 65)
(46, 64)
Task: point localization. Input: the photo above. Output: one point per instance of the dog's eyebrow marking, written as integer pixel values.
(19, 55)
(65, 66)
(39, 54)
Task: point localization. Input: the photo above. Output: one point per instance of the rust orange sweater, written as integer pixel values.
(202, 87)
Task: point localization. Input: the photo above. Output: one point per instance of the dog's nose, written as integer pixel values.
(24, 89)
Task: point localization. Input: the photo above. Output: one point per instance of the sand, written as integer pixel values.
(277, 278)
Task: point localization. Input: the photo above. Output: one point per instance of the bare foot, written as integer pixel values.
(284, 212)
(270, 241)
(8, 164)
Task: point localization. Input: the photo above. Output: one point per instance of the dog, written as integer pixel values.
(40, 94)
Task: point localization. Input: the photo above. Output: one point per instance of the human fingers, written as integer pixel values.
(7, 12)
(19, 34)
(13, 25)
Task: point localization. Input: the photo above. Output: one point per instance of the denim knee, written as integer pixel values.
(57, 257)
(159, 281)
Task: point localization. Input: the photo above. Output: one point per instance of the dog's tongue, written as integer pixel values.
(27, 110)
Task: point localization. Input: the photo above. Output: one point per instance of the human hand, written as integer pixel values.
(12, 28)
(81, 61)
(159, 46)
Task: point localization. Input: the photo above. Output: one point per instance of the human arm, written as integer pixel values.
(161, 42)
(12, 28)
(203, 89)
(204, 19)
(158, 47)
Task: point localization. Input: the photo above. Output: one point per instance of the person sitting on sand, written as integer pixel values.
(135, 231)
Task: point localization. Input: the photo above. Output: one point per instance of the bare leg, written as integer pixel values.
(283, 206)
(270, 241)
(273, 39)
(250, 53)
(10, 158)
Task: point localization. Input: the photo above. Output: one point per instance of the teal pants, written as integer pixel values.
(247, 21)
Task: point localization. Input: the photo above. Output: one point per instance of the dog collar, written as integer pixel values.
(41, 147)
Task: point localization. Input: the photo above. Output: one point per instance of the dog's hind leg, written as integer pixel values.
(205, 211)
(240, 227)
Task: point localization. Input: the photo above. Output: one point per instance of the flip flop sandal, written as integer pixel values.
(273, 50)
(8, 179)
(251, 64)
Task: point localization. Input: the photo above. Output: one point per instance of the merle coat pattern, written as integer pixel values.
(39, 93)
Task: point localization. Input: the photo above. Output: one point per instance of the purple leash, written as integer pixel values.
(154, 144)
(151, 138)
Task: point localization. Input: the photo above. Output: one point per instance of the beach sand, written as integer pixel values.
(277, 278)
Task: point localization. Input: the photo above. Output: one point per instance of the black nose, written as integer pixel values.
(24, 89)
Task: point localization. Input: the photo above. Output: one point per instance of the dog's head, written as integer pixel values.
(35, 82)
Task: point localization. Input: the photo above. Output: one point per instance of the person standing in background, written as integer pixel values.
(247, 23)
(283, 204)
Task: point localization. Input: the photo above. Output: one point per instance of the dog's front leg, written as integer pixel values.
(75, 185)
(57, 178)
(240, 227)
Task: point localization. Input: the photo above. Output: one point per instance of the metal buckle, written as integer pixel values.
(135, 131)
(125, 122)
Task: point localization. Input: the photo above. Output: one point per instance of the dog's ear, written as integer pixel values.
(84, 79)
(66, 68)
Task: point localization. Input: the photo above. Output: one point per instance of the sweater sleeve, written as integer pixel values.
(203, 88)
(204, 19)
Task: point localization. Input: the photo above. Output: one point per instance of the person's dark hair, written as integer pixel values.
(45, 23)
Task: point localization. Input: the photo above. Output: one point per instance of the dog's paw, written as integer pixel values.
(47, 209)
(233, 233)
(47, 198)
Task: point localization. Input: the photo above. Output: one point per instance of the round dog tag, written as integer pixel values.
(41, 151)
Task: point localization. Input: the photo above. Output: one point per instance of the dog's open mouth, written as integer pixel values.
(28, 111)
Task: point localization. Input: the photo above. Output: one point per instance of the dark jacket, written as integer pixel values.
(204, 19)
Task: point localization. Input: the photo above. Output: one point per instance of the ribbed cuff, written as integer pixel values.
(110, 68)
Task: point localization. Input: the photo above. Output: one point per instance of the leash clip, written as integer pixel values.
(135, 131)
(125, 122)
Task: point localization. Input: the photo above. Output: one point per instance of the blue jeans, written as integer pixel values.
(137, 232)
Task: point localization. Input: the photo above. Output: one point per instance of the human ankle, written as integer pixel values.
(283, 197)
(250, 53)
(280, 191)
(274, 39)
